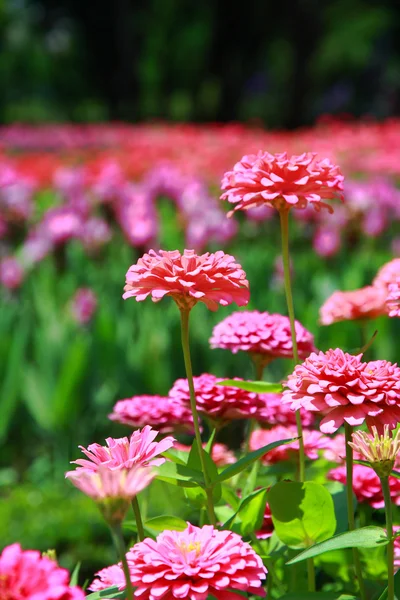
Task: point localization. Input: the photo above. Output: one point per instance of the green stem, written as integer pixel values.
(311, 575)
(138, 518)
(119, 543)
(389, 529)
(350, 505)
(284, 220)
(189, 375)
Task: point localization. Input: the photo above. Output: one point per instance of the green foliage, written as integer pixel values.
(250, 513)
(259, 387)
(166, 522)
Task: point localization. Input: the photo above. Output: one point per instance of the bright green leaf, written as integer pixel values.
(198, 495)
(109, 593)
(250, 514)
(259, 387)
(179, 475)
(75, 574)
(166, 522)
(317, 596)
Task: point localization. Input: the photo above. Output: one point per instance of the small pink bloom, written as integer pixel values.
(11, 273)
(282, 182)
(108, 577)
(26, 575)
(367, 485)
(210, 278)
(95, 233)
(365, 303)
(123, 453)
(195, 563)
(388, 273)
(326, 241)
(83, 306)
(314, 441)
(344, 388)
(274, 412)
(261, 333)
(217, 402)
(166, 414)
(393, 299)
(396, 529)
(220, 454)
(61, 224)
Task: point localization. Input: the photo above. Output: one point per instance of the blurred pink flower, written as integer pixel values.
(195, 563)
(336, 451)
(114, 484)
(83, 305)
(282, 181)
(11, 273)
(344, 388)
(261, 333)
(367, 485)
(274, 412)
(365, 303)
(314, 441)
(210, 278)
(124, 453)
(220, 454)
(387, 274)
(267, 527)
(326, 241)
(217, 402)
(61, 224)
(108, 577)
(396, 529)
(26, 575)
(393, 299)
(166, 414)
(95, 233)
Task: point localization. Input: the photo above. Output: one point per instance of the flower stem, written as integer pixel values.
(389, 529)
(119, 543)
(189, 375)
(284, 220)
(311, 575)
(138, 518)
(348, 429)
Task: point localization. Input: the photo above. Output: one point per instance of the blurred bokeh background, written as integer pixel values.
(79, 204)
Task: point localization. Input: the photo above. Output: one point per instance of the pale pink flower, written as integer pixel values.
(166, 414)
(343, 388)
(61, 224)
(123, 453)
(367, 485)
(381, 451)
(26, 575)
(274, 412)
(314, 441)
(261, 333)
(106, 484)
(388, 273)
(108, 577)
(195, 563)
(326, 241)
(210, 278)
(217, 402)
(282, 182)
(336, 451)
(220, 453)
(83, 305)
(267, 527)
(393, 299)
(11, 273)
(365, 303)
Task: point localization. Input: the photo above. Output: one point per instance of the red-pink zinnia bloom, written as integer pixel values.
(188, 278)
(393, 299)
(343, 388)
(367, 485)
(220, 453)
(274, 412)
(282, 182)
(261, 333)
(365, 303)
(313, 442)
(124, 453)
(26, 575)
(217, 402)
(105, 483)
(108, 577)
(387, 274)
(163, 413)
(195, 563)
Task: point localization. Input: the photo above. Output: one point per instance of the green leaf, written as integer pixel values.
(259, 387)
(384, 594)
(109, 593)
(198, 496)
(74, 575)
(180, 475)
(166, 522)
(231, 497)
(302, 513)
(317, 596)
(395, 474)
(177, 456)
(366, 537)
(250, 514)
(248, 459)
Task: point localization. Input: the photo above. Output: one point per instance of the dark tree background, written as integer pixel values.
(281, 63)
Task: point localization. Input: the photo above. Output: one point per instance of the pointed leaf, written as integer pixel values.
(74, 575)
(317, 596)
(107, 594)
(250, 514)
(259, 387)
(180, 475)
(166, 522)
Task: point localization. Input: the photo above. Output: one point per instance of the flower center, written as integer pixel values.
(196, 546)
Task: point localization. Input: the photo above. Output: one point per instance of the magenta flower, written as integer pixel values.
(261, 333)
(123, 453)
(83, 305)
(367, 485)
(388, 273)
(210, 278)
(365, 303)
(108, 577)
(393, 299)
(217, 402)
(26, 575)
(282, 182)
(343, 388)
(11, 273)
(274, 412)
(314, 441)
(195, 563)
(165, 414)
(396, 544)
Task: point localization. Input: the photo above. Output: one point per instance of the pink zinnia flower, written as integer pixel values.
(195, 563)
(220, 453)
(326, 241)
(367, 485)
(274, 412)
(267, 527)
(124, 453)
(217, 402)
(365, 303)
(344, 388)
(210, 278)
(83, 305)
(396, 547)
(282, 182)
(313, 442)
(166, 414)
(393, 299)
(388, 273)
(261, 333)
(11, 273)
(26, 575)
(108, 577)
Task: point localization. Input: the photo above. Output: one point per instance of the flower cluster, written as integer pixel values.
(162, 412)
(275, 412)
